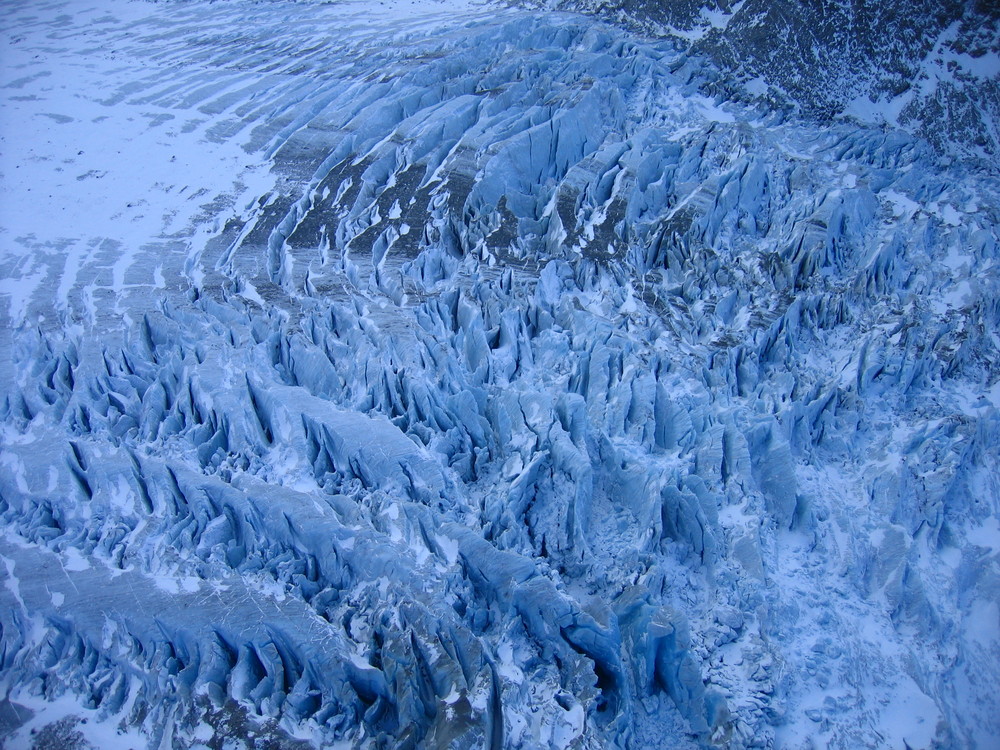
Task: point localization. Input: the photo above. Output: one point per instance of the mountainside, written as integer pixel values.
(931, 68)
(445, 375)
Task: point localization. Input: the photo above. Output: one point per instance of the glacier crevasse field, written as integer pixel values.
(456, 376)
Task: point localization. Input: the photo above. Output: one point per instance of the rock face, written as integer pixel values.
(438, 377)
(932, 68)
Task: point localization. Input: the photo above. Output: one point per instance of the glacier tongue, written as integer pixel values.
(482, 382)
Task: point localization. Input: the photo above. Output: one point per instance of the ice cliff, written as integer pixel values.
(466, 377)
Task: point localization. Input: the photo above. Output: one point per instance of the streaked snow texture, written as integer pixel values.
(497, 390)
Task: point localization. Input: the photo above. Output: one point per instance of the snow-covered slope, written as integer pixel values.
(931, 67)
(440, 375)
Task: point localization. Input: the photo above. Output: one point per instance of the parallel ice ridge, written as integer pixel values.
(542, 402)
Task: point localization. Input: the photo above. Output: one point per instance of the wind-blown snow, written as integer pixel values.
(397, 376)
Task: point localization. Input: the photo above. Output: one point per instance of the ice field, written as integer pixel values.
(448, 375)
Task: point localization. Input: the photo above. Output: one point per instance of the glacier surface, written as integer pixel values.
(442, 375)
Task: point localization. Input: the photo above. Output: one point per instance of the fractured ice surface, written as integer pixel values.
(507, 391)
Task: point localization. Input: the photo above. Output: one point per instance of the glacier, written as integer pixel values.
(454, 375)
